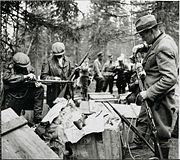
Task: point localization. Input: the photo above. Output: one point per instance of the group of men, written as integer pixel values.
(160, 64)
(104, 74)
(21, 89)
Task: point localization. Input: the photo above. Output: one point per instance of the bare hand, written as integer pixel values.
(30, 76)
(137, 47)
(38, 84)
(57, 78)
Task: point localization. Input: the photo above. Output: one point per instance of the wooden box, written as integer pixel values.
(102, 96)
(105, 145)
(19, 141)
(131, 112)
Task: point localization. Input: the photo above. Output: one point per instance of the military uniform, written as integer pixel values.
(97, 67)
(108, 73)
(121, 71)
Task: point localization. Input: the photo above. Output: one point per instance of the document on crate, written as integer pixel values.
(93, 124)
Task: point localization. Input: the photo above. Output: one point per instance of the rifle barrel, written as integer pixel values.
(124, 119)
(50, 81)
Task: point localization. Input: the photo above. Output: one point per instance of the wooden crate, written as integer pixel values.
(131, 112)
(105, 145)
(127, 134)
(19, 141)
(102, 96)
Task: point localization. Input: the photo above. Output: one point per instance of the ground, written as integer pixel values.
(146, 152)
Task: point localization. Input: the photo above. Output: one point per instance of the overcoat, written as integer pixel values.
(161, 65)
(51, 69)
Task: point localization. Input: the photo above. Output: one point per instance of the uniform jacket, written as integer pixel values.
(160, 64)
(52, 69)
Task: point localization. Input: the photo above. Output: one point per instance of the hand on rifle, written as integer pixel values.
(141, 97)
(57, 78)
(38, 84)
(30, 76)
(137, 48)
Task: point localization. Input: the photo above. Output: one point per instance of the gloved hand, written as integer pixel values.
(141, 97)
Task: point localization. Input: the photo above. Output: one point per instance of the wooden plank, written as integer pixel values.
(96, 97)
(12, 125)
(99, 93)
(85, 148)
(129, 111)
(23, 143)
(107, 144)
(116, 145)
(128, 134)
(7, 115)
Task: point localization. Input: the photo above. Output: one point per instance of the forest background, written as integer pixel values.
(33, 26)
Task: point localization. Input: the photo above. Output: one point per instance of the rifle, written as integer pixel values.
(62, 93)
(149, 113)
(126, 121)
(49, 81)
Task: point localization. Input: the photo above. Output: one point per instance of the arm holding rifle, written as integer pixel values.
(160, 64)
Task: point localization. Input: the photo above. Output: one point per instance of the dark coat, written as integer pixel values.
(20, 95)
(160, 64)
(52, 69)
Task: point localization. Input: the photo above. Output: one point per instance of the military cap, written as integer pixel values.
(21, 59)
(58, 48)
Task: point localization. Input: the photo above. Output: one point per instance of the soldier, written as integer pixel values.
(121, 71)
(84, 78)
(160, 64)
(18, 93)
(97, 67)
(109, 73)
(56, 67)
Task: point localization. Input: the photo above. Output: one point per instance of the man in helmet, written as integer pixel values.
(18, 94)
(56, 67)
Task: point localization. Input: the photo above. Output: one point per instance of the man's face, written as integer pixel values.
(147, 36)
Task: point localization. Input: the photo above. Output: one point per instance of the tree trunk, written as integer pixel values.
(17, 26)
